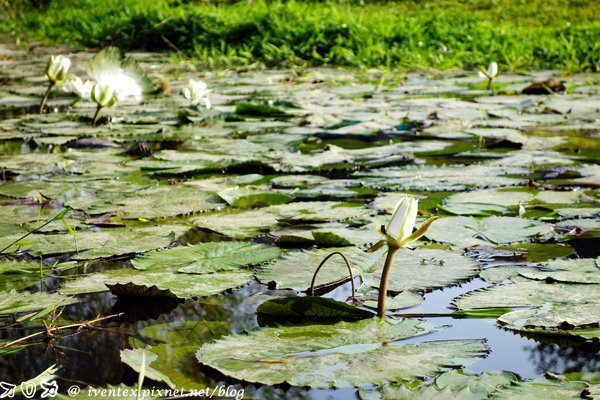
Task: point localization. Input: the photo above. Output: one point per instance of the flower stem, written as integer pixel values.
(96, 115)
(489, 85)
(385, 277)
(45, 98)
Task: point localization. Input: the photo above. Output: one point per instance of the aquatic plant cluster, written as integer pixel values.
(177, 239)
(114, 78)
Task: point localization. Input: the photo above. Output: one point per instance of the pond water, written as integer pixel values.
(248, 197)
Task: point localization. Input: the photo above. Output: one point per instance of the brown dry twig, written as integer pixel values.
(50, 329)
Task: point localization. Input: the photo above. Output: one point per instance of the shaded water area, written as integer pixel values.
(295, 164)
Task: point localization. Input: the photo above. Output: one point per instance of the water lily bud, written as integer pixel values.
(57, 68)
(196, 92)
(492, 69)
(404, 218)
(104, 95)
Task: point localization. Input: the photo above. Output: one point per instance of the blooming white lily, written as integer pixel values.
(196, 92)
(76, 85)
(56, 71)
(116, 78)
(490, 74)
(57, 68)
(398, 234)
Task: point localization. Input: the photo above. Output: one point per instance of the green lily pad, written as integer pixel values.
(416, 270)
(447, 178)
(204, 258)
(136, 358)
(150, 203)
(251, 222)
(248, 198)
(12, 302)
(451, 385)
(555, 305)
(583, 270)
(131, 282)
(323, 356)
(314, 308)
(468, 231)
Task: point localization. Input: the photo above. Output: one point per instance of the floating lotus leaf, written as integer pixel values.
(447, 178)
(102, 243)
(313, 308)
(583, 270)
(468, 231)
(150, 203)
(136, 358)
(556, 305)
(248, 198)
(413, 270)
(251, 222)
(451, 385)
(323, 356)
(12, 302)
(131, 282)
(204, 258)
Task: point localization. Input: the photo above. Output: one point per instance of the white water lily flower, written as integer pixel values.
(491, 72)
(57, 67)
(104, 94)
(122, 74)
(74, 84)
(196, 92)
(399, 231)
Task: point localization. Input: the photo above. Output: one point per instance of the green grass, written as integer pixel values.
(407, 35)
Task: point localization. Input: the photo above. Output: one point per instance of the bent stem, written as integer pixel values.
(385, 276)
(96, 115)
(45, 98)
(489, 85)
(312, 283)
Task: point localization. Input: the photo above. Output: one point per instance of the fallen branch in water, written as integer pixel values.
(50, 329)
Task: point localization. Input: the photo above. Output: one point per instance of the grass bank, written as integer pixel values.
(406, 35)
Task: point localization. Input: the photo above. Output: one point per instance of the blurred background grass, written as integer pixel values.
(409, 35)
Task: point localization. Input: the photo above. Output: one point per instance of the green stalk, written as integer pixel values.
(96, 115)
(489, 86)
(45, 98)
(385, 277)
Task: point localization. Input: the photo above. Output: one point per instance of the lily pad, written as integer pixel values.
(413, 270)
(314, 308)
(130, 282)
(323, 356)
(12, 302)
(451, 385)
(139, 359)
(468, 231)
(204, 258)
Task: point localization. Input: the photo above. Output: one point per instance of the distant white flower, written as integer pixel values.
(491, 73)
(110, 67)
(57, 68)
(104, 94)
(196, 92)
(126, 87)
(76, 85)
